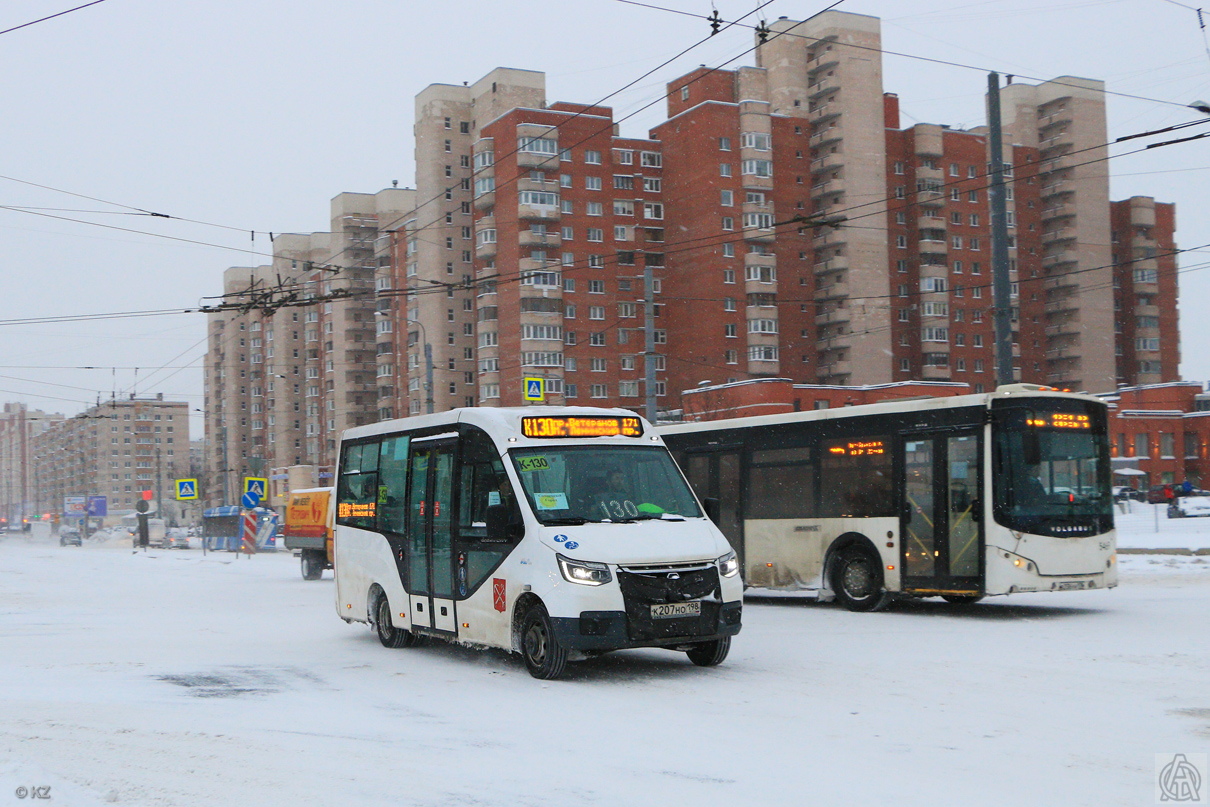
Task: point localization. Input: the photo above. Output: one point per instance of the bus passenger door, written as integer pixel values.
(716, 475)
(430, 535)
(940, 531)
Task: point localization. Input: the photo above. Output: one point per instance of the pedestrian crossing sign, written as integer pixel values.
(535, 389)
(186, 489)
(254, 484)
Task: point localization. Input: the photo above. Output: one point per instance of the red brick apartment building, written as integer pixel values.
(795, 230)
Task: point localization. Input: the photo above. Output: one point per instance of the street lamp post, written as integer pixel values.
(428, 358)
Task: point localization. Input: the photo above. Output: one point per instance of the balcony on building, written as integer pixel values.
(837, 263)
(1060, 209)
(1062, 235)
(826, 188)
(825, 134)
(540, 239)
(827, 161)
(836, 373)
(1060, 258)
(1056, 187)
(538, 212)
(832, 291)
(1061, 303)
(821, 113)
(835, 315)
(529, 160)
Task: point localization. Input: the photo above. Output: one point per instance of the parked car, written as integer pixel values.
(1189, 507)
(1159, 494)
(1123, 493)
(70, 536)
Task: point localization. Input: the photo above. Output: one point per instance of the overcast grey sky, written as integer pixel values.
(253, 114)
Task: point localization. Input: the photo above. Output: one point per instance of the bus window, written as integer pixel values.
(393, 485)
(855, 478)
(357, 491)
(781, 484)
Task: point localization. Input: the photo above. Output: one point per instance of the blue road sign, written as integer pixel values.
(257, 485)
(249, 500)
(186, 489)
(535, 389)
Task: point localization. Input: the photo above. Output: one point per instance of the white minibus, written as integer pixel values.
(556, 532)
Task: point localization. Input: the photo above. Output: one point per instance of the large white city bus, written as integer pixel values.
(957, 497)
(557, 532)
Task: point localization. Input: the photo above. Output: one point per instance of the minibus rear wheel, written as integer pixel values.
(545, 658)
(388, 634)
(710, 654)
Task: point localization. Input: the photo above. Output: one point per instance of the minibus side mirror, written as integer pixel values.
(713, 509)
(503, 526)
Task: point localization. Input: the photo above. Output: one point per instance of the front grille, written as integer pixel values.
(643, 587)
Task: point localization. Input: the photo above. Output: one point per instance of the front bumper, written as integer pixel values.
(616, 630)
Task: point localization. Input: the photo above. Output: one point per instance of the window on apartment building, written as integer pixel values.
(592, 183)
(899, 167)
(596, 287)
(724, 169)
(651, 159)
(595, 209)
(653, 210)
(728, 223)
(724, 144)
(729, 330)
(623, 183)
(592, 157)
(623, 207)
(625, 157)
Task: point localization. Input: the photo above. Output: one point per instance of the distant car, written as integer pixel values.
(176, 538)
(1158, 494)
(1123, 493)
(1189, 507)
(70, 536)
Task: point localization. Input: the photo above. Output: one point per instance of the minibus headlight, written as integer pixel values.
(728, 565)
(584, 572)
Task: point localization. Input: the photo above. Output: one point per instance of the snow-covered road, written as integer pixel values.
(173, 678)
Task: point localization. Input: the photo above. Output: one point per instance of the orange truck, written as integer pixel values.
(309, 529)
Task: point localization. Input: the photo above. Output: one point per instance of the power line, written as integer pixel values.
(51, 17)
(928, 59)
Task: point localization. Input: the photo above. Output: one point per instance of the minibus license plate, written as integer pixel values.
(675, 609)
(1071, 585)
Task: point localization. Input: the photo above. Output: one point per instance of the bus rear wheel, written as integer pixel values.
(857, 580)
(388, 634)
(545, 658)
(710, 654)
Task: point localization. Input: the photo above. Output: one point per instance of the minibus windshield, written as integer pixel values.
(582, 484)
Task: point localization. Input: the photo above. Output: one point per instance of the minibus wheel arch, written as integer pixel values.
(520, 609)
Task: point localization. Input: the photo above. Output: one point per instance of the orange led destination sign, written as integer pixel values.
(858, 448)
(1059, 420)
(581, 426)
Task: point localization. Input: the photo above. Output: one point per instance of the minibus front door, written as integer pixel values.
(430, 536)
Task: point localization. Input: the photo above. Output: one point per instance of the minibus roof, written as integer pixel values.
(503, 422)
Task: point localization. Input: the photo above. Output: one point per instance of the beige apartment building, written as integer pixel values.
(116, 449)
(293, 362)
(21, 495)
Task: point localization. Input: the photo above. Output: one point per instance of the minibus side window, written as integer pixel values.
(357, 489)
(393, 484)
(482, 484)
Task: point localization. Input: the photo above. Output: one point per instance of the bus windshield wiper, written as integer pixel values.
(566, 521)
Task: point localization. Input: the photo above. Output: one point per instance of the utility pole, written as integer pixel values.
(1001, 284)
(159, 486)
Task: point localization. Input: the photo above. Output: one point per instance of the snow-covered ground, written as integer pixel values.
(1147, 526)
(176, 678)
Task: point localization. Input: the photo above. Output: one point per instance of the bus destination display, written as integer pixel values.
(1059, 420)
(857, 448)
(581, 426)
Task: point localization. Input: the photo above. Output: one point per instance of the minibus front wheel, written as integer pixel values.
(545, 657)
(710, 654)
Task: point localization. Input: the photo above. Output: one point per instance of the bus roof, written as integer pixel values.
(983, 399)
